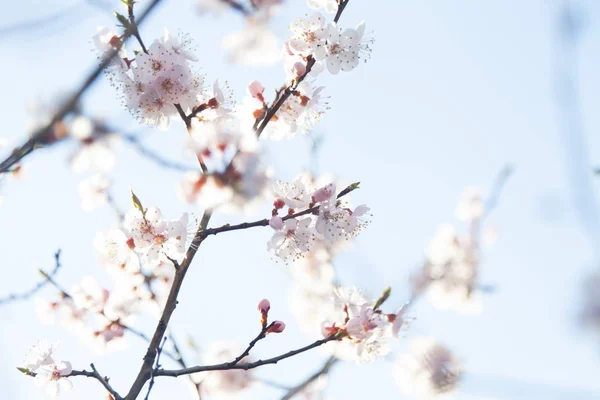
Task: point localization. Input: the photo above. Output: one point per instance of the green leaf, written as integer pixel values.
(354, 186)
(384, 296)
(136, 202)
(26, 371)
(122, 19)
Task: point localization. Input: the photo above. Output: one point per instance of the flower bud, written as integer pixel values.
(298, 69)
(277, 327)
(255, 89)
(264, 306)
(323, 194)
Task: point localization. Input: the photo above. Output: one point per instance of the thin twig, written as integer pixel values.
(265, 222)
(243, 366)
(324, 370)
(90, 374)
(238, 7)
(154, 156)
(158, 353)
(136, 32)
(27, 294)
(260, 336)
(494, 196)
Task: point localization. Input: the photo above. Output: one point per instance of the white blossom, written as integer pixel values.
(93, 192)
(293, 240)
(428, 370)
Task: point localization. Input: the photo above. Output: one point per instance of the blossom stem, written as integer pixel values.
(261, 335)
(135, 32)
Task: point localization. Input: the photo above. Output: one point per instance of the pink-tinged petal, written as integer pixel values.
(64, 368)
(291, 224)
(277, 327)
(255, 89)
(264, 306)
(276, 223)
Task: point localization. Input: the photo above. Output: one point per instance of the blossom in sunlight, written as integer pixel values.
(223, 382)
(47, 372)
(40, 354)
(309, 36)
(344, 49)
(428, 370)
(292, 240)
(155, 81)
(93, 192)
(329, 6)
(364, 329)
(336, 222)
(95, 149)
(154, 236)
(117, 248)
(53, 377)
(294, 195)
(450, 274)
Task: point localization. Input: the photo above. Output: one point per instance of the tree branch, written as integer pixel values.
(323, 371)
(243, 366)
(265, 222)
(168, 310)
(27, 294)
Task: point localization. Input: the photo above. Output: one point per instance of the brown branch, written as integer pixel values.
(27, 294)
(261, 335)
(265, 222)
(238, 7)
(323, 371)
(159, 352)
(171, 303)
(44, 135)
(89, 374)
(244, 366)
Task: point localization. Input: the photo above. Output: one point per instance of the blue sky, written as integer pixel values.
(453, 92)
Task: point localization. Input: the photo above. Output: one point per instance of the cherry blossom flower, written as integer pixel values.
(428, 370)
(117, 248)
(364, 329)
(157, 80)
(344, 49)
(309, 36)
(450, 274)
(336, 223)
(154, 236)
(93, 192)
(106, 42)
(295, 195)
(53, 376)
(40, 354)
(292, 240)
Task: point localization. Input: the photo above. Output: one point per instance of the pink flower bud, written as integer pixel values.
(298, 69)
(255, 89)
(324, 194)
(276, 223)
(264, 306)
(277, 327)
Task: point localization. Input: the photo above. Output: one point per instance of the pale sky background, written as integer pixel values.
(453, 92)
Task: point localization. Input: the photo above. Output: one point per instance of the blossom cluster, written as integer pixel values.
(364, 329)
(138, 258)
(429, 369)
(155, 82)
(40, 363)
(334, 221)
(450, 274)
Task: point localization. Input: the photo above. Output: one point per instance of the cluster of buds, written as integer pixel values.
(274, 327)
